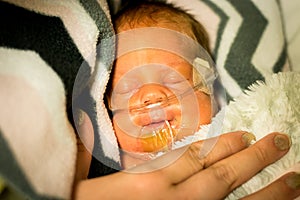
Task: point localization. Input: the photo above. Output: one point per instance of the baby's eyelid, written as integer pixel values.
(126, 87)
(173, 78)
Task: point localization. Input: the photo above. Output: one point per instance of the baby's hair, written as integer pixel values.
(147, 13)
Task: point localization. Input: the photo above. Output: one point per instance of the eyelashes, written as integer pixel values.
(171, 80)
(127, 86)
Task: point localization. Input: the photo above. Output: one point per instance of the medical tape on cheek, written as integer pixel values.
(203, 75)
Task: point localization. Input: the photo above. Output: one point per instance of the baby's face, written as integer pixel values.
(149, 107)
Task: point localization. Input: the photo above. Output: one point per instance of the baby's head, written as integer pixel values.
(158, 92)
(141, 13)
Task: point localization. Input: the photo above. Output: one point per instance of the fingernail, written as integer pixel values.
(248, 138)
(282, 142)
(293, 181)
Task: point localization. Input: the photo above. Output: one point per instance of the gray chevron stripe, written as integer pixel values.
(106, 49)
(284, 54)
(281, 60)
(98, 15)
(223, 22)
(238, 63)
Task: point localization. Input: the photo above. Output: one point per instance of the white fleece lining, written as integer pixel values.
(107, 136)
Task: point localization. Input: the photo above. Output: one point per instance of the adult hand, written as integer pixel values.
(214, 176)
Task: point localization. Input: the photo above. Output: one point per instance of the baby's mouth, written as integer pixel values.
(157, 136)
(150, 129)
(157, 131)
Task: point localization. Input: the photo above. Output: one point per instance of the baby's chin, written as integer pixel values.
(154, 138)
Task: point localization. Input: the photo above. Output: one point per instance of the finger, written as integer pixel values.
(191, 162)
(218, 180)
(285, 188)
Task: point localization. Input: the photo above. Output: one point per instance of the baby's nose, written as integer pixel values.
(152, 94)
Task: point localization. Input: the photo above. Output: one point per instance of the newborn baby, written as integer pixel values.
(162, 82)
(158, 97)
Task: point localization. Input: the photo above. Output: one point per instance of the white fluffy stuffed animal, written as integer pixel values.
(270, 106)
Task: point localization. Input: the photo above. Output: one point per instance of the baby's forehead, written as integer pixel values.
(157, 38)
(161, 59)
(153, 45)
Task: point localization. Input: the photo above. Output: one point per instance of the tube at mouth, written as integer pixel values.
(159, 139)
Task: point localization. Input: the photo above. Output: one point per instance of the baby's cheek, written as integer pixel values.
(126, 142)
(174, 116)
(205, 108)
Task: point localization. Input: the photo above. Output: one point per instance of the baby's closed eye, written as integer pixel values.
(127, 86)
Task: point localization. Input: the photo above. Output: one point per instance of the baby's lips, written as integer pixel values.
(155, 115)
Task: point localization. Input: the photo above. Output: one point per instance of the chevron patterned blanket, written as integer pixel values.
(44, 45)
(247, 39)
